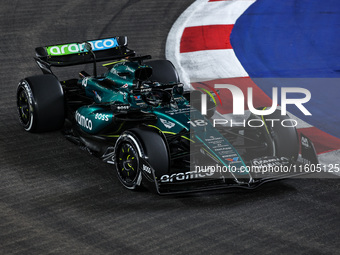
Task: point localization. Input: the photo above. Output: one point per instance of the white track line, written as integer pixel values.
(211, 65)
(221, 14)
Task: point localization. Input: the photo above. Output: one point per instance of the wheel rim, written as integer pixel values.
(127, 163)
(24, 107)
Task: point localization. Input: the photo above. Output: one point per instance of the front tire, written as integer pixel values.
(143, 142)
(282, 141)
(127, 161)
(286, 138)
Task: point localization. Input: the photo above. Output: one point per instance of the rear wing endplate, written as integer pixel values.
(69, 54)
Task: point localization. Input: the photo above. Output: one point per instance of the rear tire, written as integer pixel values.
(163, 71)
(40, 103)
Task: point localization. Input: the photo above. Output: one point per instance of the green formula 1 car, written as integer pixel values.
(138, 117)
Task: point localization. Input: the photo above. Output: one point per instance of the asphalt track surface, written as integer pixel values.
(57, 199)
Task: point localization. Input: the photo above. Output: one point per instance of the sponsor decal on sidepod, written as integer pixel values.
(82, 121)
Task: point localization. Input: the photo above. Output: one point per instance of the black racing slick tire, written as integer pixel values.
(285, 136)
(40, 103)
(282, 135)
(163, 71)
(131, 147)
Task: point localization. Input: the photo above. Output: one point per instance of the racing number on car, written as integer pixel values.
(198, 123)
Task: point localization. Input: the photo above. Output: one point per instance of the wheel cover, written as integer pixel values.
(24, 108)
(127, 163)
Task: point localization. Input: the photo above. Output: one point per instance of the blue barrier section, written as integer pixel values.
(295, 39)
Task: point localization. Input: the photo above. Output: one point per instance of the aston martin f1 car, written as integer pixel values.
(138, 117)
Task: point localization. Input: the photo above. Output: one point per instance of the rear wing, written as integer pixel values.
(69, 54)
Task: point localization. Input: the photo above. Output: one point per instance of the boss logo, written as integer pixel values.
(147, 169)
(123, 107)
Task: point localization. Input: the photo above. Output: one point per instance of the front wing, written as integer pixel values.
(178, 183)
